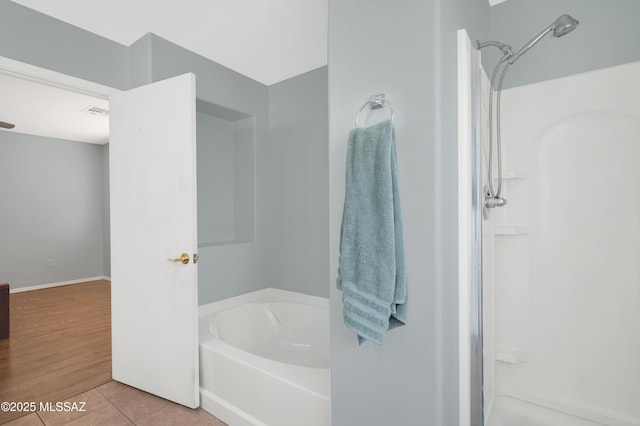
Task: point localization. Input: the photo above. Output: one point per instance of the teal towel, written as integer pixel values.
(371, 273)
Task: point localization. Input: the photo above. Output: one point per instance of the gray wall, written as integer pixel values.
(225, 270)
(31, 37)
(608, 35)
(413, 378)
(216, 181)
(46, 42)
(291, 238)
(106, 226)
(298, 184)
(37, 39)
(52, 208)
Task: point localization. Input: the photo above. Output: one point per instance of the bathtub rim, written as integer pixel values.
(266, 295)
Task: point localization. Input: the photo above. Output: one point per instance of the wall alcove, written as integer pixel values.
(226, 175)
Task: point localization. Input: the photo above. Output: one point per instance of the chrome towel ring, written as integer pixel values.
(376, 102)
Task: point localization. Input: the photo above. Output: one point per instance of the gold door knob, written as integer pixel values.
(184, 258)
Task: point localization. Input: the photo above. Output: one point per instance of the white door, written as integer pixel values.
(152, 155)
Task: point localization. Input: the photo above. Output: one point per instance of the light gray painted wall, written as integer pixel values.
(608, 35)
(52, 208)
(298, 183)
(29, 36)
(396, 383)
(227, 270)
(412, 379)
(37, 39)
(216, 181)
(245, 179)
(106, 235)
(139, 58)
(34, 38)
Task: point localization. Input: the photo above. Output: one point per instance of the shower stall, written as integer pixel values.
(550, 280)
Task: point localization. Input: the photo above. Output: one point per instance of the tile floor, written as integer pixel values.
(114, 404)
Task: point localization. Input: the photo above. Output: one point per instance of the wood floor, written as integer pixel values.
(60, 351)
(60, 344)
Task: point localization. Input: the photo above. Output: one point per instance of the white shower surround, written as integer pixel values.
(561, 284)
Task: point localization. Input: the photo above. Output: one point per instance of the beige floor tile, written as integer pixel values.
(210, 420)
(116, 404)
(94, 401)
(115, 390)
(134, 403)
(175, 414)
(107, 416)
(15, 394)
(28, 420)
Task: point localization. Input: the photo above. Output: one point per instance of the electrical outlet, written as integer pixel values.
(49, 263)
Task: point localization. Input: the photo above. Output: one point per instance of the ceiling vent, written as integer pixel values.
(94, 110)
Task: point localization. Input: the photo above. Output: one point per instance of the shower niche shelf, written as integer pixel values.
(511, 230)
(514, 174)
(226, 175)
(510, 354)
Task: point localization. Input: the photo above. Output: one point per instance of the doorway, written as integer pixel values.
(54, 233)
(56, 227)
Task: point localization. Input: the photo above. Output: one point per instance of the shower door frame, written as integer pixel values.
(470, 199)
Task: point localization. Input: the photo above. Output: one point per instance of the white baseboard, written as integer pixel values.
(61, 283)
(228, 413)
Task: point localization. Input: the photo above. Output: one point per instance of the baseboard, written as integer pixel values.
(228, 413)
(58, 284)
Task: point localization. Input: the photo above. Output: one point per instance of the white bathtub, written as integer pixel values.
(264, 359)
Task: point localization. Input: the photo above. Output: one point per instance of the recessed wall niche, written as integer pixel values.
(226, 175)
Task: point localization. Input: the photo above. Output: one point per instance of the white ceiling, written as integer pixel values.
(44, 110)
(266, 40)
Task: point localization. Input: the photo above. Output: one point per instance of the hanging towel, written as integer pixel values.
(371, 271)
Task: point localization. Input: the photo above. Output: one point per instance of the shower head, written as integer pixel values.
(564, 25)
(561, 26)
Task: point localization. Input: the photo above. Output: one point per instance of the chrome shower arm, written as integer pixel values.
(505, 48)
